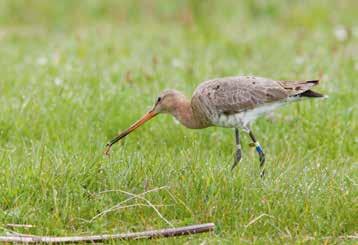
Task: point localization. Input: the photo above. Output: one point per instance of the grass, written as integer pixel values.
(73, 74)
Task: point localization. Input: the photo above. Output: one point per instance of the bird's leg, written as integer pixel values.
(238, 149)
(259, 151)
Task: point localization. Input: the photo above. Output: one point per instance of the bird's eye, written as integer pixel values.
(159, 99)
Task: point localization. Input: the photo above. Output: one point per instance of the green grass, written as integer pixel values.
(72, 75)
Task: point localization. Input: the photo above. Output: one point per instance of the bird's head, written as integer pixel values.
(167, 102)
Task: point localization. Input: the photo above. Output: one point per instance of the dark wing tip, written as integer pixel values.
(311, 93)
(313, 81)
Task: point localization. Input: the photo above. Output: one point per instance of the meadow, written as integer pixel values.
(74, 73)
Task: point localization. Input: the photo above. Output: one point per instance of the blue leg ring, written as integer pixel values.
(259, 149)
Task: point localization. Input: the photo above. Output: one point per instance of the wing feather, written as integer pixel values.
(231, 95)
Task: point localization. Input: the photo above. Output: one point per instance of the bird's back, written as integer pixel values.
(232, 95)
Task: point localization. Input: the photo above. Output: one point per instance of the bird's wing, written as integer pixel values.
(231, 95)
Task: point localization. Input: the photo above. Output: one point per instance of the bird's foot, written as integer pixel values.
(262, 162)
(238, 157)
(262, 158)
(262, 174)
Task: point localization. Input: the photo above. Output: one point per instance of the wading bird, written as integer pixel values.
(231, 102)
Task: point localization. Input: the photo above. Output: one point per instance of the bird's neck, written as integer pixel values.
(185, 114)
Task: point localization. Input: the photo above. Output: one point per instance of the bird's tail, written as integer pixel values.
(311, 94)
(302, 88)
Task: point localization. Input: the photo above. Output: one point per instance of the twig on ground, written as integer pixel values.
(180, 231)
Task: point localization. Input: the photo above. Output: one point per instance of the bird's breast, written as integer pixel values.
(229, 121)
(244, 118)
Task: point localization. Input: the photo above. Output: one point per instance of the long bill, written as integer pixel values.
(149, 115)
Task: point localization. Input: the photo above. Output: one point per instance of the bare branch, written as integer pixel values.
(171, 232)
